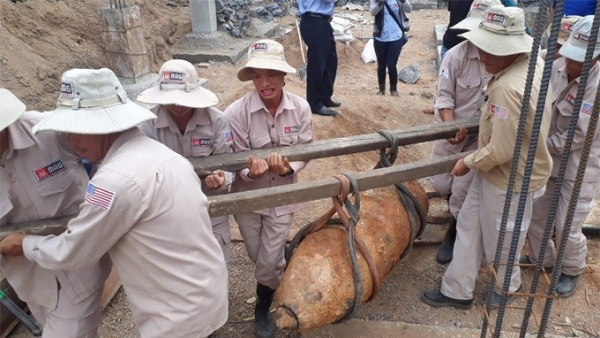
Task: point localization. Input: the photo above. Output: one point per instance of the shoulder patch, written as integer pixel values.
(48, 170)
(98, 196)
(228, 136)
(587, 108)
(444, 73)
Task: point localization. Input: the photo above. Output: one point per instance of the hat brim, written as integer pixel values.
(499, 44)
(575, 53)
(467, 24)
(95, 121)
(11, 108)
(198, 98)
(245, 73)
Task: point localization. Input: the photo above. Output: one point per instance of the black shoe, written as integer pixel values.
(394, 93)
(325, 111)
(566, 285)
(524, 259)
(381, 92)
(333, 104)
(265, 326)
(496, 297)
(436, 299)
(444, 254)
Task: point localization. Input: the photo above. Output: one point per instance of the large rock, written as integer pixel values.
(410, 74)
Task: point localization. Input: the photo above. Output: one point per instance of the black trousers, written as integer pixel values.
(387, 57)
(321, 60)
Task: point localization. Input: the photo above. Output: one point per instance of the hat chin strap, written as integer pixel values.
(188, 87)
(77, 103)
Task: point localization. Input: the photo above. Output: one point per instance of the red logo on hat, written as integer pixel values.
(497, 19)
(173, 76)
(480, 7)
(582, 37)
(260, 46)
(566, 27)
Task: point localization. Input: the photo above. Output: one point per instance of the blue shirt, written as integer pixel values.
(578, 7)
(324, 7)
(390, 31)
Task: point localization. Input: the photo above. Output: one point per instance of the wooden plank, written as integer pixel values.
(327, 187)
(335, 147)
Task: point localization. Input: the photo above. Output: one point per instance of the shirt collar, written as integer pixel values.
(472, 52)
(165, 120)
(522, 57)
(257, 104)
(18, 139)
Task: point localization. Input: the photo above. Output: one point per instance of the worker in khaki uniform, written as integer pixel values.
(41, 179)
(504, 49)
(566, 74)
(565, 29)
(143, 206)
(267, 117)
(459, 96)
(189, 125)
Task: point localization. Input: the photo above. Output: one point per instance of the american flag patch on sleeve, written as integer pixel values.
(99, 196)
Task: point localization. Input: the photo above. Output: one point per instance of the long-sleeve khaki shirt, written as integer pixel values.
(565, 93)
(460, 86)
(207, 133)
(253, 127)
(498, 128)
(39, 179)
(144, 206)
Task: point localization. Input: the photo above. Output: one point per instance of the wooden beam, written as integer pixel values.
(327, 187)
(335, 147)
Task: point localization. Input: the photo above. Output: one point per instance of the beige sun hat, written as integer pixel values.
(565, 29)
(477, 14)
(93, 101)
(11, 108)
(576, 46)
(501, 33)
(265, 54)
(179, 84)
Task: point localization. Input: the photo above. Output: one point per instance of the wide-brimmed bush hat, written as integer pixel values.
(11, 108)
(576, 45)
(265, 54)
(501, 33)
(477, 13)
(179, 84)
(93, 101)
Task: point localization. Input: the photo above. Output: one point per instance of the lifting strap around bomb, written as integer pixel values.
(349, 219)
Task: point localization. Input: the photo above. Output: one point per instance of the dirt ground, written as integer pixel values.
(42, 38)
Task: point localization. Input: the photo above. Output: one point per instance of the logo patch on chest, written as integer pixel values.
(291, 129)
(201, 142)
(51, 169)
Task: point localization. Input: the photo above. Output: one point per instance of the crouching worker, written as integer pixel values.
(143, 206)
(267, 117)
(40, 178)
(188, 123)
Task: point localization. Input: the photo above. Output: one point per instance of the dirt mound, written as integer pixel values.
(41, 39)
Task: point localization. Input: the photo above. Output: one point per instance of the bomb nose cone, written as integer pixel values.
(285, 319)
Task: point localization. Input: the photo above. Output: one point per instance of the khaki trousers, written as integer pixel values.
(454, 187)
(576, 249)
(478, 227)
(264, 238)
(222, 231)
(67, 320)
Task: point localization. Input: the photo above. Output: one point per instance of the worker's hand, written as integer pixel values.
(258, 167)
(279, 165)
(460, 168)
(12, 245)
(446, 114)
(461, 135)
(216, 179)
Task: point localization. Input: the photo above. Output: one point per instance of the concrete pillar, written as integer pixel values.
(124, 43)
(204, 16)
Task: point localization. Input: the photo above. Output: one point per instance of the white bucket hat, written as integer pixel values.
(179, 84)
(501, 33)
(576, 45)
(565, 29)
(93, 101)
(477, 14)
(265, 54)
(11, 108)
